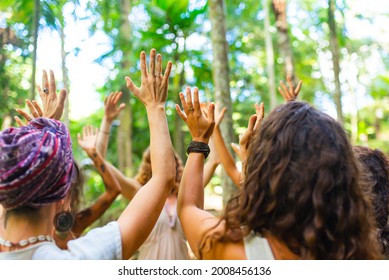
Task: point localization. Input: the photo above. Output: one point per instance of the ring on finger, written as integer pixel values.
(190, 109)
(46, 90)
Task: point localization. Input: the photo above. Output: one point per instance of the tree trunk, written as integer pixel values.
(221, 79)
(35, 46)
(279, 9)
(65, 77)
(334, 48)
(124, 144)
(269, 56)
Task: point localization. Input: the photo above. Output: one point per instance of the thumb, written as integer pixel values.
(236, 149)
(131, 86)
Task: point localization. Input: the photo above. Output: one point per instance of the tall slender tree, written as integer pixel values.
(36, 18)
(124, 148)
(269, 55)
(280, 9)
(221, 77)
(334, 48)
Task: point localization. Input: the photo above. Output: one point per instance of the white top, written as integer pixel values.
(102, 243)
(257, 248)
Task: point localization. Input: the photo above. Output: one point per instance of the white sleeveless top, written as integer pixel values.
(257, 248)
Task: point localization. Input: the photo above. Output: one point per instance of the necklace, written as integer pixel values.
(25, 242)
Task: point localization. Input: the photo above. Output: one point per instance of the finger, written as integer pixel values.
(121, 107)
(143, 68)
(211, 113)
(60, 104)
(251, 124)
(204, 108)
(152, 63)
(236, 149)
(285, 89)
(18, 121)
(33, 111)
(291, 86)
(297, 90)
(79, 139)
(158, 69)
(106, 100)
(260, 110)
(181, 113)
(38, 108)
(118, 95)
(189, 98)
(110, 97)
(25, 115)
(222, 113)
(40, 91)
(45, 80)
(167, 73)
(131, 86)
(196, 102)
(183, 101)
(52, 89)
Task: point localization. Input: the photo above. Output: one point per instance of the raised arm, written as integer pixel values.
(89, 215)
(140, 216)
(194, 220)
(212, 163)
(226, 158)
(111, 111)
(129, 186)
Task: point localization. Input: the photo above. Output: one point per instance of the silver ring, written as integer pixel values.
(45, 90)
(190, 109)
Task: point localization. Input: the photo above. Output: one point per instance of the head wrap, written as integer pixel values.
(36, 164)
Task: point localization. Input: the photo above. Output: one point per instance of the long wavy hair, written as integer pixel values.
(145, 172)
(302, 188)
(376, 185)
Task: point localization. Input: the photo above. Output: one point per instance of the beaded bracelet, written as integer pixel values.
(198, 147)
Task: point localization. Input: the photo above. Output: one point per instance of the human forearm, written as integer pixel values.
(103, 136)
(89, 215)
(191, 187)
(129, 187)
(160, 144)
(226, 158)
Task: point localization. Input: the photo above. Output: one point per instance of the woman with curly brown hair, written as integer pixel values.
(375, 167)
(301, 198)
(167, 240)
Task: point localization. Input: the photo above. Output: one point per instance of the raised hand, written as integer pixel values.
(291, 93)
(53, 104)
(88, 139)
(35, 109)
(111, 110)
(200, 126)
(245, 139)
(154, 85)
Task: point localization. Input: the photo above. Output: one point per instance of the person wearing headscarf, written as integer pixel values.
(37, 174)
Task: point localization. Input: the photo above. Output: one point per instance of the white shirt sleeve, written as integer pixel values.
(102, 243)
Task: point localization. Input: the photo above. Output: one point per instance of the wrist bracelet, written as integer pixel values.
(198, 147)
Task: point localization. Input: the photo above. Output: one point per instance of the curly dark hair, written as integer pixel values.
(376, 185)
(145, 172)
(302, 188)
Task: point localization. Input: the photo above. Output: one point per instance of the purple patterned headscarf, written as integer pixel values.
(36, 164)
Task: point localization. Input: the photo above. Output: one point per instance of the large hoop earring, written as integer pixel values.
(63, 221)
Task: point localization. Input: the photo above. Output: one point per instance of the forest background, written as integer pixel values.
(235, 52)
